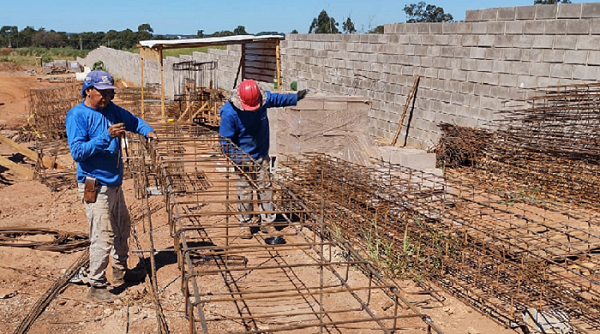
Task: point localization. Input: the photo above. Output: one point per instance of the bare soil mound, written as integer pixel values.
(10, 67)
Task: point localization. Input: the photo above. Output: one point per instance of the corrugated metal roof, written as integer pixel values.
(199, 42)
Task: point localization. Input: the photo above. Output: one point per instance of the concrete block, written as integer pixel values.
(508, 80)
(415, 39)
(526, 81)
(594, 26)
(547, 82)
(562, 71)
(445, 74)
(479, 28)
(477, 53)
(503, 41)
(543, 42)
(489, 102)
(472, 15)
(521, 41)
(484, 65)
(449, 28)
(461, 52)
(426, 62)
(464, 28)
(593, 58)
(493, 54)
(585, 73)
(568, 11)
(485, 40)
(553, 56)
(435, 28)
(473, 76)
(590, 10)
(490, 78)
(459, 75)
(539, 69)
(496, 28)
(483, 90)
(506, 14)
(588, 42)
(545, 12)
(470, 40)
(411, 158)
(554, 27)
(519, 68)
(534, 27)
(434, 51)
(512, 54)
(514, 27)
(525, 13)
(578, 57)
(489, 14)
(442, 40)
(564, 42)
(578, 27)
(501, 66)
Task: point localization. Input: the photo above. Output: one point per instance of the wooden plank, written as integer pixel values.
(412, 92)
(265, 59)
(257, 71)
(270, 53)
(150, 54)
(263, 78)
(16, 167)
(48, 163)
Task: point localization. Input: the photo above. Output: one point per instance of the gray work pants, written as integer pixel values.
(110, 226)
(255, 177)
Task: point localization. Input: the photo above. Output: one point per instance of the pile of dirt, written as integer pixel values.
(8, 66)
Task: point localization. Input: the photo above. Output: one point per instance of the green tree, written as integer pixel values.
(422, 12)
(294, 31)
(25, 35)
(323, 24)
(144, 32)
(200, 33)
(348, 26)
(240, 30)
(550, 2)
(376, 30)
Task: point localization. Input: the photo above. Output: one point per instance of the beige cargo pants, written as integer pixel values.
(255, 177)
(110, 226)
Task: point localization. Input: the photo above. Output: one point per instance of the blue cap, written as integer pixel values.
(99, 80)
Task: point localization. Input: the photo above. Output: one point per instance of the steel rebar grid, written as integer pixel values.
(198, 182)
(464, 241)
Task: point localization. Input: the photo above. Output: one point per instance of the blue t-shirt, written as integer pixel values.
(249, 130)
(92, 147)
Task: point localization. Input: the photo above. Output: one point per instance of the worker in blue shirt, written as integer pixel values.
(94, 130)
(244, 121)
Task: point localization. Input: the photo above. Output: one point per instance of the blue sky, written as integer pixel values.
(187, 17)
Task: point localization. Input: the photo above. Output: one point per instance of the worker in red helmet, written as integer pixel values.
(244, 121)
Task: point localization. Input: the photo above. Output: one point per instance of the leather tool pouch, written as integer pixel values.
(90, 190)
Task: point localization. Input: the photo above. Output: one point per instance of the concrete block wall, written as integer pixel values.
(126, 65)
(469, 70)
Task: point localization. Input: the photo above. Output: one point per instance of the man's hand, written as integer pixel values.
(152, 135)
(116, 130)
(302, 94)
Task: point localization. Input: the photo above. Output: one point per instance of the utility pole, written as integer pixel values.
(80, 43)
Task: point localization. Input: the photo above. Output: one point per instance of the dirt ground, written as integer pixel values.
(26, 274)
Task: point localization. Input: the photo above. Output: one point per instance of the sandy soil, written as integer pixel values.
(26, 274)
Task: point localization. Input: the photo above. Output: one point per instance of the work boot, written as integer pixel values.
(245, 232)
(100, 294)
(120, 276)
(269, 229)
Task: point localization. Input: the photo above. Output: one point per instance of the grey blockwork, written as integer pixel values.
(469, 70)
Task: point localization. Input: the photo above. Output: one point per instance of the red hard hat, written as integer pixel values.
(250, 95)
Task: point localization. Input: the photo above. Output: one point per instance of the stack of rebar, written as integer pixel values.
(297, 284)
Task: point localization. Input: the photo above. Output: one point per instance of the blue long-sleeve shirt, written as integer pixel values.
(92, 147)
(249, 130)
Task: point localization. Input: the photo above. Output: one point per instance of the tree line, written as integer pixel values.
(12, 37)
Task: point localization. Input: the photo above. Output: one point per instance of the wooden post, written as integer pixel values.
(142, 96)
(278, 65)
(410, 96)
(162, 87)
